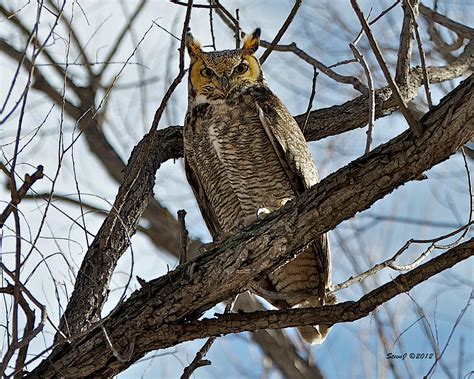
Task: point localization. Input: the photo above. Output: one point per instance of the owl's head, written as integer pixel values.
(216, 75)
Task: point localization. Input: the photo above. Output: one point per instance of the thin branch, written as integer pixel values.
(391, 262)
(360, 58)
(383, 13)
(198, 360)
(237, 28)
(311, 98)
(412, 123)
(282, 31)
(426, 81)
(183, 3)
(21, 193)
(458, 320)
(75, 37)
(356, 83)
(460, 29)
(402, 74)
(181, 73)
(211, 28)
(121, 36)
(122, 357)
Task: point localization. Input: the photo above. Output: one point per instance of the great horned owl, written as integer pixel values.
(245, 156)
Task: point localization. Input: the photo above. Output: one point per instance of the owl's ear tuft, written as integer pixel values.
(251, 42)
(193, 46)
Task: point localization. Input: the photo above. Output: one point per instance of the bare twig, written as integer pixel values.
(412, 123)
(121, 357)
(198, 360)
(211, 28)
(237, 28)
(356, 83)
(311, 98)
(426, 82)
(75, 37)
(21, 193)
(360, 58)
(383, 13)
(121, 36)
(181, 73)
(183, 253)
(183, 3)
(402, 73)
(460, 29)
(282, 31)
(458, 320)
(35, 331)
(167, 31)
(391, 262)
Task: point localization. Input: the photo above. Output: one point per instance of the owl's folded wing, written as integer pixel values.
(204, 204)
(288, 141)
(295, 158)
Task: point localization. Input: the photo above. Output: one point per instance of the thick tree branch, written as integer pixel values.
(183, 294)
(329, 314)
(113, 238)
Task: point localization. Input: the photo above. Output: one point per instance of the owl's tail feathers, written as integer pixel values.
(315, 334)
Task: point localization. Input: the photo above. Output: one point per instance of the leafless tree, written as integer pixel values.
(79, 191)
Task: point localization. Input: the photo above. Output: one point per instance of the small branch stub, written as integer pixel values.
(184, 237)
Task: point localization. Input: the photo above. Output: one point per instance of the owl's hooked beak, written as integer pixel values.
(224, 83)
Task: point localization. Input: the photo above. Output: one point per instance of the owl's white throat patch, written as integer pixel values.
(203, 99)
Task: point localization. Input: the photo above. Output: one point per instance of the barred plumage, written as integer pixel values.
(244, 153)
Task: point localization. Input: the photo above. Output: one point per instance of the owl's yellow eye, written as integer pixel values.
(241, 68)
(207, 72)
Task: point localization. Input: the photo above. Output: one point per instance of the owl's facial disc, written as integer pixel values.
(217, 75)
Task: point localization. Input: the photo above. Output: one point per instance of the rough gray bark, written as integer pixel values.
(113, 238)
(185, 293)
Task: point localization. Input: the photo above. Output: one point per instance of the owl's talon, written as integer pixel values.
(285, 200)
(262, 213)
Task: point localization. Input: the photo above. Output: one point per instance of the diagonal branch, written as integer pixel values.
(356, 83)
(402, 74)
(183, 294)
(412, 122)
(282, 31)
(460, 29)
(18, 195)
(121, 36)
